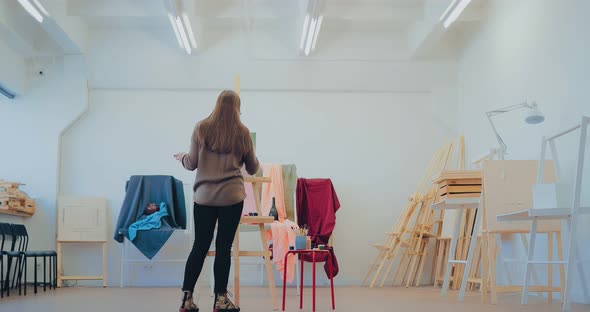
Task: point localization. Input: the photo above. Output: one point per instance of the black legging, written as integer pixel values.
(205, 219)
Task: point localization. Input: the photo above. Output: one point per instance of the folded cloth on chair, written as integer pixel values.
(142, 190)
(317, 204)
(146, 223)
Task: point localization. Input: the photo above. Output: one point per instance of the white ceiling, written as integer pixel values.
(408, 23)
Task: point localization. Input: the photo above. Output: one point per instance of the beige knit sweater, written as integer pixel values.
(219, 181)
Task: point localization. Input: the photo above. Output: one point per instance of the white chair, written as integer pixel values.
(548, 205)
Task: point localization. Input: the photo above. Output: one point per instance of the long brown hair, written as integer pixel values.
(223, 131)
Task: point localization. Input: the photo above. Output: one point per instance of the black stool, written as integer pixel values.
(21, 231)
(12, 254)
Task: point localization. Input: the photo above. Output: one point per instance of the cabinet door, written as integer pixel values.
(82, 219)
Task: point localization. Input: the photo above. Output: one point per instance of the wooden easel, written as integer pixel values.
(409, 235)
(391, 248)
(260, 221)
(81, 220)
(423, 237)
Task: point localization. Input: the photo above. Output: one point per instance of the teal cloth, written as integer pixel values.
(153, 221)
(139, 192)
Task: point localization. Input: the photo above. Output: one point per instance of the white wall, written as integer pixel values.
(535, 50)
(370, 126)
(31, 125)
(368, 150)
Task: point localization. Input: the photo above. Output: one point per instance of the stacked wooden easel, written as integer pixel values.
(407, 244)
(14, 201)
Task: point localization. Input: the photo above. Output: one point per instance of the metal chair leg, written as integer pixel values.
(7, 281)
(1, 276)
(44, 273)
(25, 274)
(35, 271)
(55, 271)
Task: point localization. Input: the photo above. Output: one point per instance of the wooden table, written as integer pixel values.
(460, 204)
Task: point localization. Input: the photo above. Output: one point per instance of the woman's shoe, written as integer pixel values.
(188, 305)
(223, 304)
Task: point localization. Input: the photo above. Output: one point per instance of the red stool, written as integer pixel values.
(312, 252)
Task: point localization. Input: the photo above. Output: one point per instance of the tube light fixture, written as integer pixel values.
(36, 10)
(182, 31)
(312, 24)
(453, 12)
(317, 32)
(304, 32)
(175, 27)
(40, 7)
(191, 35)
(182, 26)
(310, 36)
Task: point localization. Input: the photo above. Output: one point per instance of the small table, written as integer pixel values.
(313, 253)
(460, 204)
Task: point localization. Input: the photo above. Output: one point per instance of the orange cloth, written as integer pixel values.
(274, 189)
(283, 236)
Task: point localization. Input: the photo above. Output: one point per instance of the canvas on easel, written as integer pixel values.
(81, 220)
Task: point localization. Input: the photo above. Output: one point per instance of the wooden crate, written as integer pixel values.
(459, 184)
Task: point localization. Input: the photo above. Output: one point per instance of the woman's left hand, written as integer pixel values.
(179, 156)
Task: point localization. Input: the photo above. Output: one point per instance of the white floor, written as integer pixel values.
(348, 299)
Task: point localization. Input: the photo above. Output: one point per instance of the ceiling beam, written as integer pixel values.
(69, 32)
(234, 9)
(427, 34)
(375, 12)
(10, 32)
(13, 75)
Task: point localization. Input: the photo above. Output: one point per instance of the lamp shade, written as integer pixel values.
(534, 115)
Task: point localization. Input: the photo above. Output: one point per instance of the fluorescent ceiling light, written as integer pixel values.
(29, 7)
(304, 32)
(454, 11)
(191, 35)
(173, 23)
(449, 8)
(40, 7)
(312, 24)
(187, 47)
(310, 36)
(181, 24)
(317, 32)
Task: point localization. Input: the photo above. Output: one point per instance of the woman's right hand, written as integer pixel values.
(179, 156)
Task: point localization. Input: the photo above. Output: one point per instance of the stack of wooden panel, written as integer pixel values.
(15, 202)
(458, 184)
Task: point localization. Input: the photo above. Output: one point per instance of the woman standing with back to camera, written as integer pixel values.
(220, 145)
